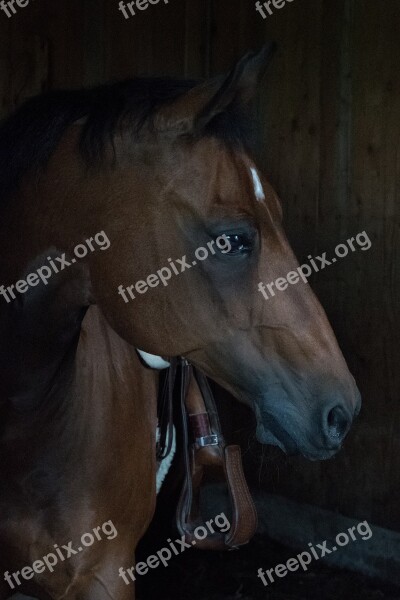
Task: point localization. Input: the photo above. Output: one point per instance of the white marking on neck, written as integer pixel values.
(258, 188)
(166, 463)
(152, 361)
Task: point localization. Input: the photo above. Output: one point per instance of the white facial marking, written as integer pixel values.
(152, 361)
(258, 188)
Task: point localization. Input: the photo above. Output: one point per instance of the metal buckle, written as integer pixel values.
(207, 440)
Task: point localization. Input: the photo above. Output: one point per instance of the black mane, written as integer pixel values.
(29, 136)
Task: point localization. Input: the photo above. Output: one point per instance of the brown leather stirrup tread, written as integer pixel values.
(207, 449)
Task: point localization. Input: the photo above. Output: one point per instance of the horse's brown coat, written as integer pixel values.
(77, 443)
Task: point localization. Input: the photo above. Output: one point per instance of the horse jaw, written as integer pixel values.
(153, 361)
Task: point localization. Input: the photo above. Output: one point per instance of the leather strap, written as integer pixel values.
(206, 450)
(165, 413)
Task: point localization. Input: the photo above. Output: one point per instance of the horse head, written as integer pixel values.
(195, 228)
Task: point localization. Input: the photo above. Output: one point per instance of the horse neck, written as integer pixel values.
(114, 391)
(98, 394)
(51, 353)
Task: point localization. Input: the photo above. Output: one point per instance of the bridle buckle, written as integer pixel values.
(207, 440)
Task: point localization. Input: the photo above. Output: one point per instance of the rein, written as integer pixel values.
(204, 449)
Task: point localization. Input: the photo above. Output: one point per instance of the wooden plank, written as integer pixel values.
(63, 24)
(168, 38)
(94, 41)
(290, 112)
(5, 71)
(197, 26)
(372, 297)
(128, 43)
(151, 42)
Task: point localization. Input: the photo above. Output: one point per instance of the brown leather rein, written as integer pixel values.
(204, 448)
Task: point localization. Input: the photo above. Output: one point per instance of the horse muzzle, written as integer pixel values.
(316, 433)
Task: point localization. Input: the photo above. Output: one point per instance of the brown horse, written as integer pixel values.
(159, 168)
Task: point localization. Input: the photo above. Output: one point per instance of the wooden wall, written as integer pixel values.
(330, 122)
(332, 140)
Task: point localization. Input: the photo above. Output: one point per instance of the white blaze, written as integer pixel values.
(258, 188)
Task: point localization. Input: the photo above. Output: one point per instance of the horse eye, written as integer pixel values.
(236, 244)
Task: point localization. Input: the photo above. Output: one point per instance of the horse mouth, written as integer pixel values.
(290, 447)
(282, 440)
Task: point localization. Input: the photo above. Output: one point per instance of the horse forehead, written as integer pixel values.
(247, 170)
(233, 178)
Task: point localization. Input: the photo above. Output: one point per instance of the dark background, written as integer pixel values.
(329, 124)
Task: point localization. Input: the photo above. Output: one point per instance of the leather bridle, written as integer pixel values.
(204, 449)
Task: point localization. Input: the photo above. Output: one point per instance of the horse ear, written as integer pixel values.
(239, 87)
(194, 110)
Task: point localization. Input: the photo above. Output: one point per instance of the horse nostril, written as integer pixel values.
(338, 424)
